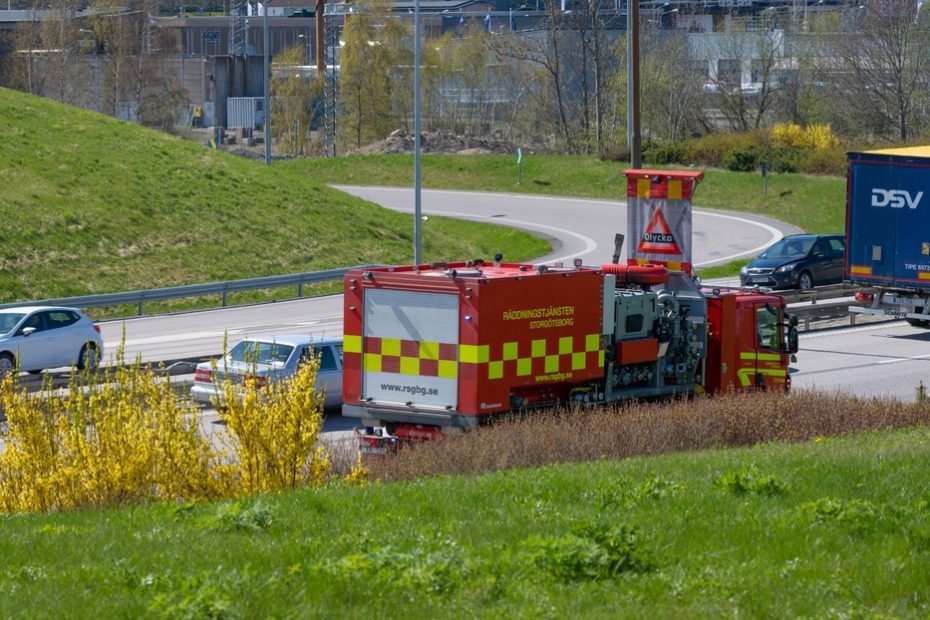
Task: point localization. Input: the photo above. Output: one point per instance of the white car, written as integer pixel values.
(42, 337)
(272, 358)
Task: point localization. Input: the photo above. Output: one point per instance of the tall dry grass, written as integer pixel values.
(621, 431)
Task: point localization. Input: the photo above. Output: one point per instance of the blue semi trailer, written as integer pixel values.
(888, 231)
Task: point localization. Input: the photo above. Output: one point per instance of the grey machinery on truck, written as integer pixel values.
(888, 232)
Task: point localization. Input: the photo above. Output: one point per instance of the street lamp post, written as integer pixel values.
(417, 220)
(267, 46)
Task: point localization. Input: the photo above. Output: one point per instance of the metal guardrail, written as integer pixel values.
(193, 290)
(139, 297)
(814, 295)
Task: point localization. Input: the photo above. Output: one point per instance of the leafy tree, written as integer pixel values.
(885, 68)
(294, 99)
(364, 106)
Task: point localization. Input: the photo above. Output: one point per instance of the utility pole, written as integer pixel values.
(636, 143)
(417, 220)
(267, 46)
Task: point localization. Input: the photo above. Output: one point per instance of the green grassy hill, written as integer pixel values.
(90, 204)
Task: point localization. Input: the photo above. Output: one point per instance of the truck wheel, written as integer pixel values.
(919, 323)
(805, 281)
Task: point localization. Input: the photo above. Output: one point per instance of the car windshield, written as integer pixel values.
(255, 352)
(789, 246)
(8, 321)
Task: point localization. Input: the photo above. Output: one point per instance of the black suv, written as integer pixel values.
(798, 261)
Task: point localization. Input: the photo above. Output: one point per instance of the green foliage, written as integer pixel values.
(751, 480)
(859, 516)
(252, 516)
(209, 595)
(590, 551)
(672, 153)
(631, 493)
(433, 565)
(742, 160)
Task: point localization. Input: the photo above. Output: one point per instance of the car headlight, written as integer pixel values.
(786, 268)
(744, 270)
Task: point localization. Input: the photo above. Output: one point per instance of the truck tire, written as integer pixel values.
(805, 280)
(919, 323)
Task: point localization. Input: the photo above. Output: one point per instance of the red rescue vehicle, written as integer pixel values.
(434, 349)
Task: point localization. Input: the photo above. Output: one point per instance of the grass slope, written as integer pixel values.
(831, 528)
(90, 204)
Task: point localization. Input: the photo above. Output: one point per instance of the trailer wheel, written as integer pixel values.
(923, 324)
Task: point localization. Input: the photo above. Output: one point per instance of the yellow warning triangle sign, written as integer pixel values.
(658, 236)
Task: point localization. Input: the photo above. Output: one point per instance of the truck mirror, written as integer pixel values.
(793, 339)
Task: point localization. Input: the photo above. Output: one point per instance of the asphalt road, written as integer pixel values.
(878, 360)
(580, 227)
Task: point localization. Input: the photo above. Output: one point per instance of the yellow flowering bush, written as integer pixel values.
(812, 137)
(123, 440)
(126, 436)
(275, 431)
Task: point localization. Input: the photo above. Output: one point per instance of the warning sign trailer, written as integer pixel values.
(659, 217)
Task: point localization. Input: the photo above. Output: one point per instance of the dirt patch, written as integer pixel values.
(400, 141)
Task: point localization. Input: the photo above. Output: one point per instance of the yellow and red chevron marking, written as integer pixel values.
(508, 359)
(410, 357)
(541, 356)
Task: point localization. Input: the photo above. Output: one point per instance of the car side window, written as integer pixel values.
(59, 318)
(839, 247)
(822, 248)
(37, 321)
(327, 359)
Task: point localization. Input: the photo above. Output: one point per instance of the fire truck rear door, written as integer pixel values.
(410, 351)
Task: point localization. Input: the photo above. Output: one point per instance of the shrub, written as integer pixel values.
(275, 432)
(751, 480)
(823, 161)
(664, 153)
(125, 437)
(589, 552)
(615, 152)
(743, 160)
(813, 137)
(124, 440)
(621, 431)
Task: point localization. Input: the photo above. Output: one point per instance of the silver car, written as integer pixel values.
(43, 337)
(272, 358)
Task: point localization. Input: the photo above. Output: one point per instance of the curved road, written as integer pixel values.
(582, 227)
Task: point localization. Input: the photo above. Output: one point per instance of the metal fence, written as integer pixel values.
(193, 290)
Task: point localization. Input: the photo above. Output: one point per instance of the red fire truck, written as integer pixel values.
(433, 349)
